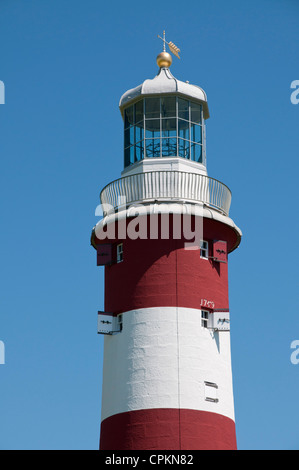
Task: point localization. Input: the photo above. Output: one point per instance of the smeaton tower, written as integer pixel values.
(164, 240)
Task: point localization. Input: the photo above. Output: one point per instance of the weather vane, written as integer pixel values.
(173, 48)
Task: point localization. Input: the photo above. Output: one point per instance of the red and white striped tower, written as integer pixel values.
(167, 379)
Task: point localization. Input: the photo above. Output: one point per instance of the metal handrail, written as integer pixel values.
(167, 186)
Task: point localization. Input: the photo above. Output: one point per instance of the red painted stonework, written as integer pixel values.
(168, 429)
(162, 273)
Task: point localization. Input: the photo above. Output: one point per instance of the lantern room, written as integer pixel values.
(163, 126)
(164, 118)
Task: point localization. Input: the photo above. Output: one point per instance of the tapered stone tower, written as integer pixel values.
(167, 377)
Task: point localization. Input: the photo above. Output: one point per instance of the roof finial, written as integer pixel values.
(164, 59)
(164, 41)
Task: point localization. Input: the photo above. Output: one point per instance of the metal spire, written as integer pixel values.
(173, 48)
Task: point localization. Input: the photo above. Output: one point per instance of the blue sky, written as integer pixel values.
(65, 65)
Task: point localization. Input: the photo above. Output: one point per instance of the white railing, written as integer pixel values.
(166, 186)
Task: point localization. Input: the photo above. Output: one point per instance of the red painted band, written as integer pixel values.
(162, 273)
(168, 429)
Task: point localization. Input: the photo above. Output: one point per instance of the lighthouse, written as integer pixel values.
(164, 241)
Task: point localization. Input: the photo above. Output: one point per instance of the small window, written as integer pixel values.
(211, 392)
(204, 249)
(204, 318)
(119, 253)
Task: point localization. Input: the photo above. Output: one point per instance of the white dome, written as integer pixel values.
(165, 82)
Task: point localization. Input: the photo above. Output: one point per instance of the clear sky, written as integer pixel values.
(65, 65)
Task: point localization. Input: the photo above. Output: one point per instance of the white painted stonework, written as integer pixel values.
(162, 359)
(165, 164)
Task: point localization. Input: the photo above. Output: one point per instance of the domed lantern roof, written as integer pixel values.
(163, 83)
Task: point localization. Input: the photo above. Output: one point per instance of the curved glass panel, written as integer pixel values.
(169, 127)
(169, 147)
(139, 151)
(129, 155)
(139, 131)
(152, 128)
(184, 148)
(152, 108)
(153, 148)
(184, 129)
(183, 109)
(129, 136)
(168, 106)
(163, 126)
(196, 153)
(129, 116)
(139, 112)
(195, 111)
(196, 134)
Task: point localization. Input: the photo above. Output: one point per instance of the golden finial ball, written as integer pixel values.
(164, 59)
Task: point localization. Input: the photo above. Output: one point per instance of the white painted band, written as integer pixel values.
(162, 359)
